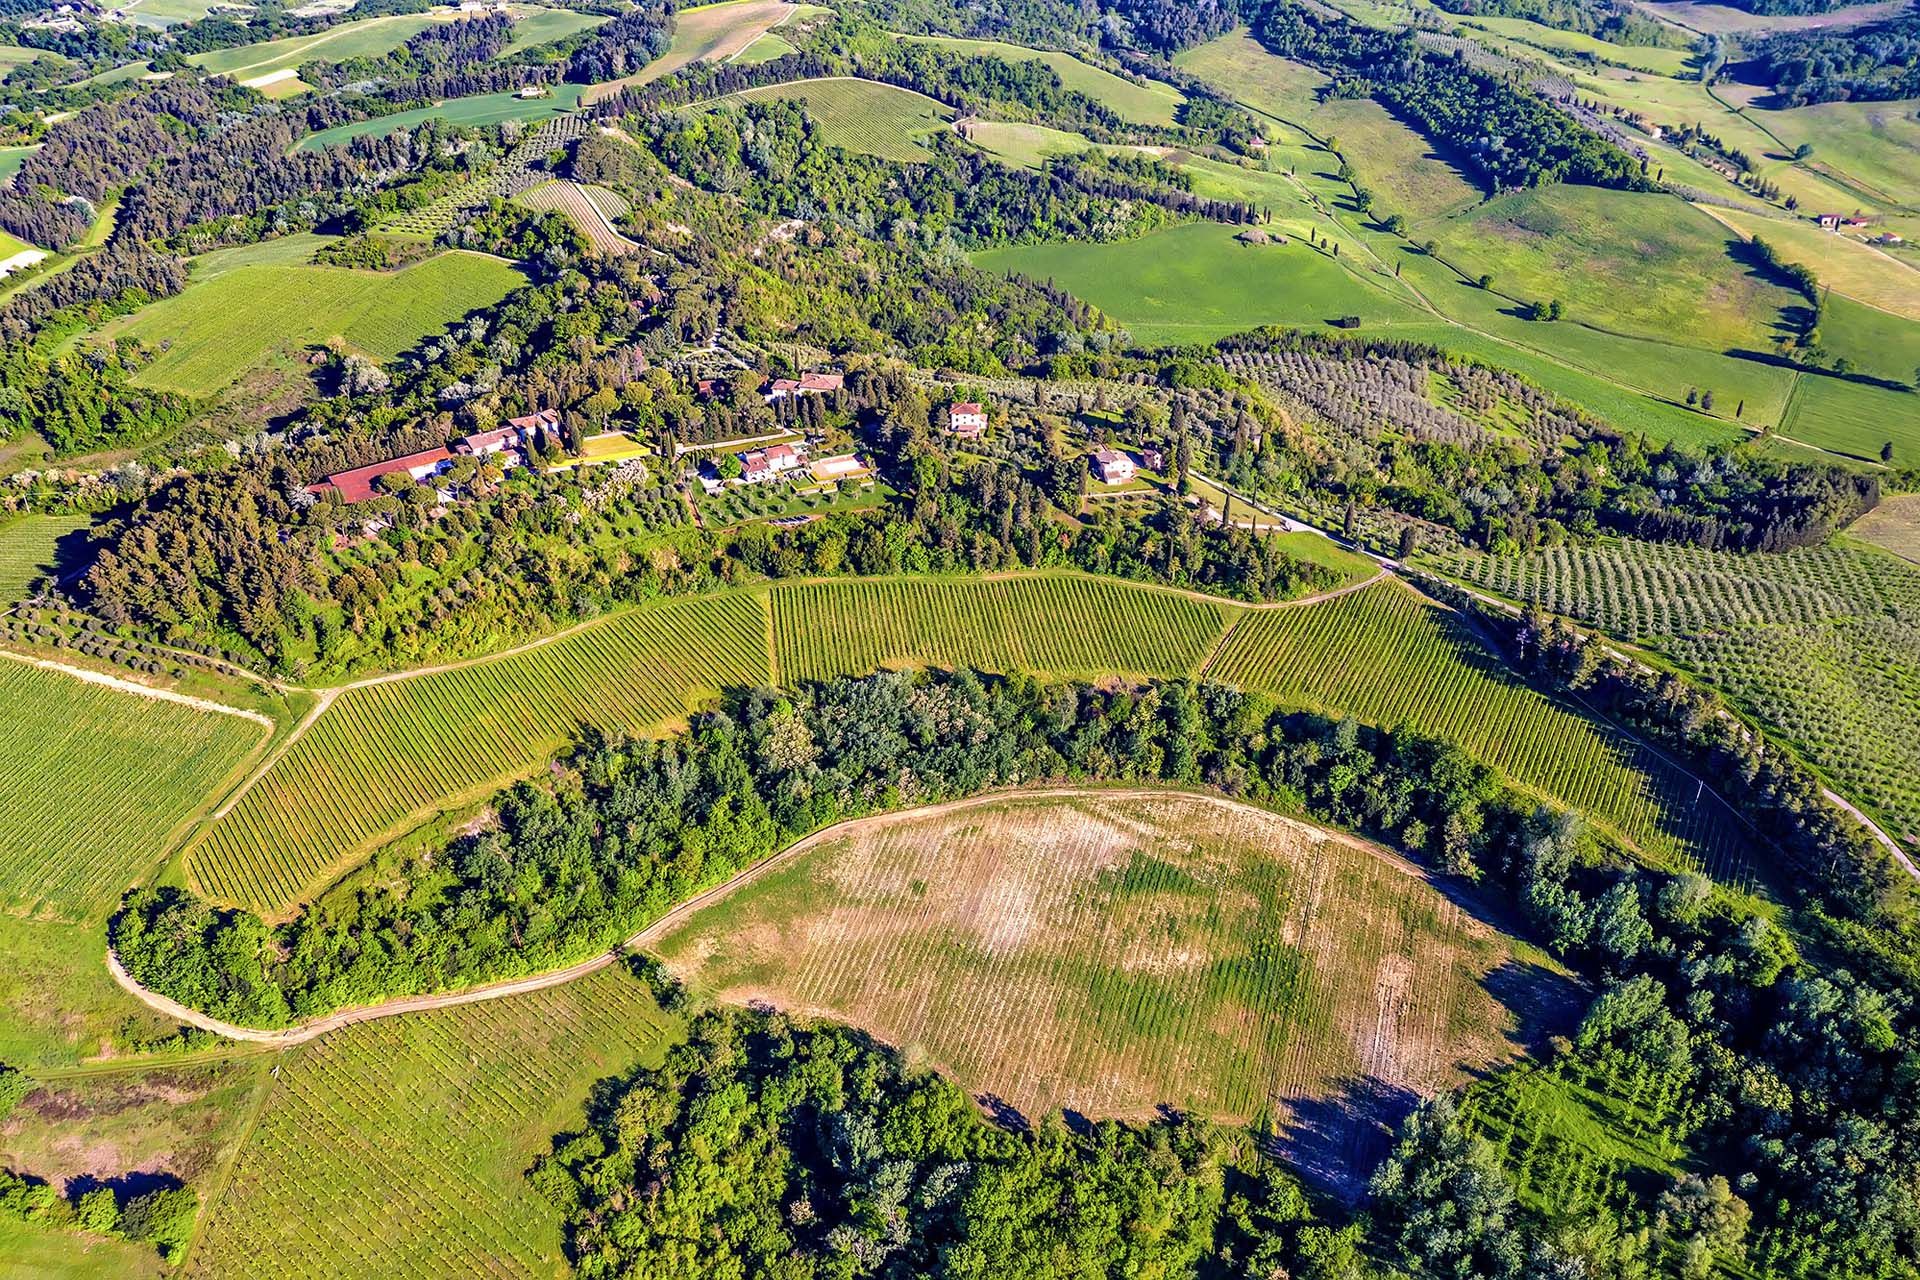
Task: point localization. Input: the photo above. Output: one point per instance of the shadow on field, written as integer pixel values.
(1334, 1142)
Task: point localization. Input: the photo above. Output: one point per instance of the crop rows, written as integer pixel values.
(569, 198)
(1385, 656)
(1053, 625)
(1822, 643)
(388, 753)
(91, 783)
(1107, 954)
(514, 174)
(27, 550)
(398, 1147)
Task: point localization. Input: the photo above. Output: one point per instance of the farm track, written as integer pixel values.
(141, 690)
(303, 1032)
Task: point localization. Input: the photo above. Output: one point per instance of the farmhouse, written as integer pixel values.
(1154, 458)
(966, 421)
(356, 485)
(544, 421)
(1112, 466)
(760, 465)
(807, 384)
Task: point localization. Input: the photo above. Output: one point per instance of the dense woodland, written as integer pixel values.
(1609, 20)
(1876, 62)
(1782, 1072)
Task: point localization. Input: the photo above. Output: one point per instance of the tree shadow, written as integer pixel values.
(126, 1187)
(1334, 1141)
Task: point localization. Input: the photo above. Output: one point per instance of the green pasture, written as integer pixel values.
(1855, 418)
(219, 328)
(1660, 62)
(1879, 345)
(1028, 145)
(1644, 264)
(166, 13)
(544, 26)
(1151, 103)
(363, 38)
(1195, 283)
(1874, 146)
(479, 110)
(1840, 262)
(864, 115)
(765, 49)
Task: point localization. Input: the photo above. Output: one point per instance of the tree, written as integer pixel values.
(1408, 539)
(1704, 1220)
(1486, 280)
(1803, 151)
(97, 1211)
(1444, 1203)
(15, 1085)
(1886, 452)
(1706, 401)
(728, 466)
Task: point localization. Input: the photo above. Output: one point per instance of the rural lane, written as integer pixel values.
(301, 1033)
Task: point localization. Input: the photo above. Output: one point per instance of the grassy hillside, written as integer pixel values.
(1110, 953)
(400, 1147)
(1195, 282)
(1151, 103)
(222, 326)
(1637, 263)
(28, 547)
(864, 115)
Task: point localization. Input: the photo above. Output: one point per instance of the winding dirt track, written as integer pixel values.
(286, 1037)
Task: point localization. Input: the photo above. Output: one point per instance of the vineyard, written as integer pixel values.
(388, 754)
(514, 174)
(1823, 643)
(27, 547)
(91, 783)
(399, 1147)
(1386, 656)
(586, 211)
(1050, 625)
(1110, 952)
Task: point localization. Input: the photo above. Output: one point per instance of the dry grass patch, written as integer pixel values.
(1110, 952)
(1894, 525)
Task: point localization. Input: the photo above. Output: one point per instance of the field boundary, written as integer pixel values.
(301, 1033)
(140, 690)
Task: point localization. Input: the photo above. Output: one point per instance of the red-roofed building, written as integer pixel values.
(546, 422)
(758, 465)
(357, 485)
(807, 384)
(966, 421)
(1112, 466)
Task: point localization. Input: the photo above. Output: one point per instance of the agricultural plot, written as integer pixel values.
(11, 158)
(1196, 282)
(1051, 625)
(544, 26)
(514, 174)
(573, 200)
(93, 782)
(1142, 103)
(864, 116)
(480, 109)
(387, 755)
(217, 329)
(362, 38)
(709, 33)
(1894, 525)
(1854, 418)
(1647, 264)
(29, 548)
(1661, 62)
(1848, 266)
(1111, 952)
(1386, 656)
(1822, 643)
(1874, 146)
(1028, 145)
(399, 1147)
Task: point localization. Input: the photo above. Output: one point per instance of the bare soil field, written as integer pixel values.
(1109, 952)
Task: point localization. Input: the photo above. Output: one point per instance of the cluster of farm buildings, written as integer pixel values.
(509, 446)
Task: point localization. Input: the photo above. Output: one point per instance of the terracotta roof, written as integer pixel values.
(530, 421)
(968, 407)
(357, 485)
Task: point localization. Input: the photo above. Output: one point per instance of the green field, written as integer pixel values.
(1149, 948)
(1854, 418)
(223, 326)
(765, 49)
(1823, 643)
(1152, 103)
(387, 755)
(1027, 145)
(1643, 264)
(58, 1006)
(478, 110)
(1842, 263)
(1874, 146)
(27, 550)
(1536, 36)
(864, 115)
(1386, 656)
(361, 38)
(95, 779)
(1195, 283)
(400, 1147)
(1879, 345)
(709, 33)
(543, 26)
(11, 158)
